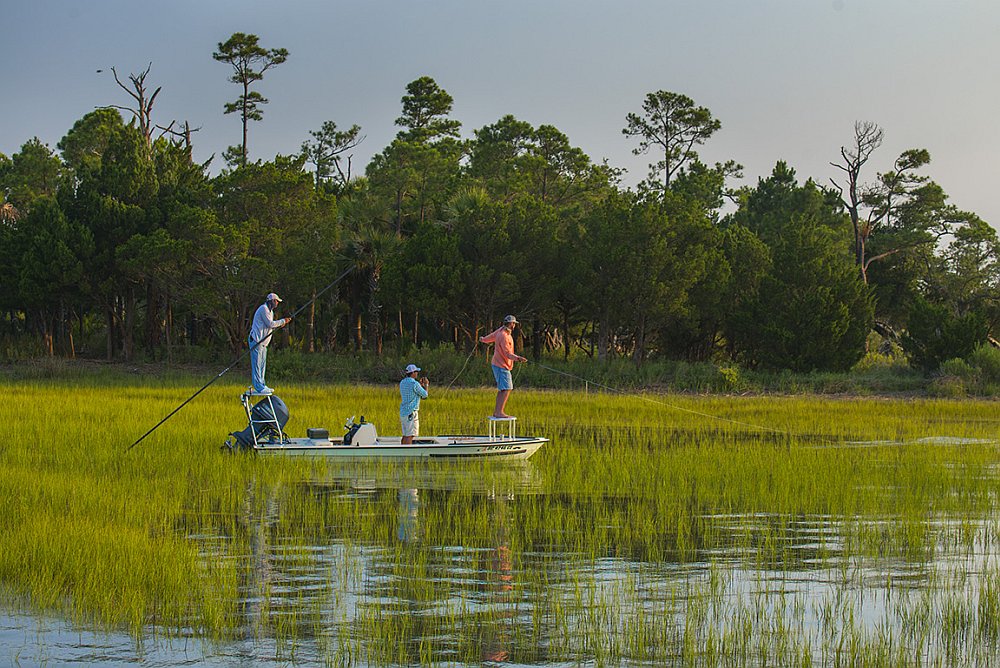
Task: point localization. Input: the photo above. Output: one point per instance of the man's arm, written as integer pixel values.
(513, 356)
(506, 350)
(265, 319)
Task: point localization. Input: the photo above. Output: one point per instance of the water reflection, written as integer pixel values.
(478, 577)
(409, 505)
(515, 477)
(404, 565)
(499, 588)
(326, 587)
(257, 579)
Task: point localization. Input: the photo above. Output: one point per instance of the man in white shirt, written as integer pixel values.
(260, 335)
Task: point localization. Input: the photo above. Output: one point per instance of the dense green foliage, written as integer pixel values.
(120, 244)
(935, 334)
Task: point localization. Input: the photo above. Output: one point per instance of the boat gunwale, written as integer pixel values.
(516, 446)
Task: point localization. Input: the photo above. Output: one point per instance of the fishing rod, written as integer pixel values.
(235, 362)
(643, 397)
(640, 396)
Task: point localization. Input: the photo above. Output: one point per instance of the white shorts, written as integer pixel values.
(410, 424)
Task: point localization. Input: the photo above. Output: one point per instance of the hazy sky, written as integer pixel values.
(787, 78)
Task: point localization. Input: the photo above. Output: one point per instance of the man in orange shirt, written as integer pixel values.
(503, 361)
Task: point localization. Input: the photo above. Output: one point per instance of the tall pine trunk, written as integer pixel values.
(128, 322)
(169, 328)
(47, 336)
(536, 338)
(603, 337)
(312, 323)
(639, 352)
(356, 327)
(109, 321)
(565, 336)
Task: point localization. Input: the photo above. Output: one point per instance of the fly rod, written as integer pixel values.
(675, 407)
(235, 362)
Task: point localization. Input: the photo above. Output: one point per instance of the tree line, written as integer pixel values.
(119, 235)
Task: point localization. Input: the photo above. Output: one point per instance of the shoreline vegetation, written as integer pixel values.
(875, 375)
(118, 244)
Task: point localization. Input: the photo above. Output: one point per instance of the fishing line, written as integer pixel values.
(462, 369)
(669, 405)
(235, 362)
(474, 351)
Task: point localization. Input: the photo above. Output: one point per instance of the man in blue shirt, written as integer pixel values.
(260, 335)
(411, 391)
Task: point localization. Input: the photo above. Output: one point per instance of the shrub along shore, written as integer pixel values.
(874, 375)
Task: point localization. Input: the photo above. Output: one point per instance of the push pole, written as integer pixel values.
(235, 362)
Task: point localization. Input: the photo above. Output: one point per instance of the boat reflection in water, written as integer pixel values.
(499, 585)
(317, 583)
(409, 523)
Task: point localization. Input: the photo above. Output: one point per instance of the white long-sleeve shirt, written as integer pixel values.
(263, 324)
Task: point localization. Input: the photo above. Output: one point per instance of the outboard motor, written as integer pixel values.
(264, 423)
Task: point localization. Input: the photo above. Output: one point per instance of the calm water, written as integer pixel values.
(399, 597)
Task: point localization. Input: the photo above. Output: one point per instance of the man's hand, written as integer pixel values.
(424, 382)
(522, 359)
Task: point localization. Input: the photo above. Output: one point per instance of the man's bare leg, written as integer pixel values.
(502, 396)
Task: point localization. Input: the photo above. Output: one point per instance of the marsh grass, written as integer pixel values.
(654, 528)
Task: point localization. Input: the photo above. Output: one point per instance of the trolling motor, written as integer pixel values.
(267, 420)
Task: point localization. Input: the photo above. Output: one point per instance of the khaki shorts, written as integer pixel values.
(410, 424)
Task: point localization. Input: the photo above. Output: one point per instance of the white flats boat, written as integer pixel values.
(265, 435)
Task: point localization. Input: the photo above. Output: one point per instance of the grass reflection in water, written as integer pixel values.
(858, 531)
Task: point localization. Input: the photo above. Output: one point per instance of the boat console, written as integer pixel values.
(360, 433)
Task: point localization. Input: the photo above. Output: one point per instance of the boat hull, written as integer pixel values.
(434, 447)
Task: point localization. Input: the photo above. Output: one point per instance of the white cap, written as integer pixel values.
(410, 368)
(271, 297)
(509, 318)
